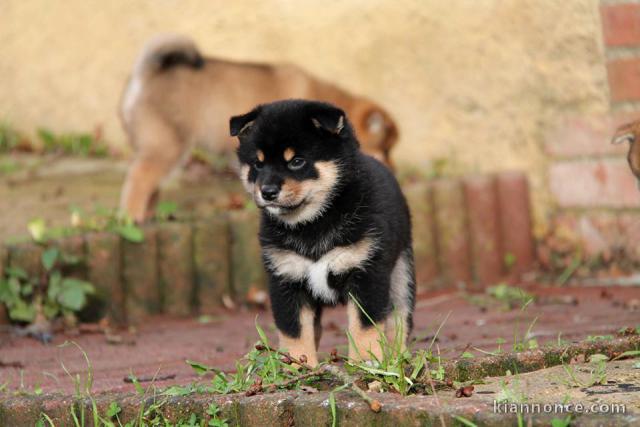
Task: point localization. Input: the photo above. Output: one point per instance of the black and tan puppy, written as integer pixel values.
(334, 225)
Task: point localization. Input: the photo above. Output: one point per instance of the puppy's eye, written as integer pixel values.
(296, 163)
(258, 164)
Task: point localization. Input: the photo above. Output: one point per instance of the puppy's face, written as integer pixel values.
(291, 154)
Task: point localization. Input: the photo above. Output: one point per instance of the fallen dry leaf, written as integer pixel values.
(466, 391)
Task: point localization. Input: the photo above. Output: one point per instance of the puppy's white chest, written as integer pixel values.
(290, 265)
(318, 280)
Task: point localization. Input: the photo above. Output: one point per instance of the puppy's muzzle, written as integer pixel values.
(269, 192)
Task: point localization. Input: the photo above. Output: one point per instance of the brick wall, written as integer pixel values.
(596, 198)
(472, 231)
(621, 36)
(181, 268)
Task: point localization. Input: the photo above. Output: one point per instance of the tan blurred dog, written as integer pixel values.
(630, 133)
(176, 98)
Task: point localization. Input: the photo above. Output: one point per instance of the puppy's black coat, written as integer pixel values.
(334, 221)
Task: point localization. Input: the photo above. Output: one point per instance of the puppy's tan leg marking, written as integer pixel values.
(366, 338)
(305, 343)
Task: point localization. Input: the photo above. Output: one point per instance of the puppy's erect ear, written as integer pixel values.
(328, 118)
(240, 124)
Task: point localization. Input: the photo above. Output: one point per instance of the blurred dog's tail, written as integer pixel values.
(164, 52)
(159, 54)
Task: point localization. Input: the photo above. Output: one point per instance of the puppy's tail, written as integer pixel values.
(164, 52)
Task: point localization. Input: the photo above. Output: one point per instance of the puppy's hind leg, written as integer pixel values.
(317, 326)
(403, 292)
(365, 338)
(152, 163)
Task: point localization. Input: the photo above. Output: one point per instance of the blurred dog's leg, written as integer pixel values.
(150, 166)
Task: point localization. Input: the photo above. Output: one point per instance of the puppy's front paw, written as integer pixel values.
(300, 349)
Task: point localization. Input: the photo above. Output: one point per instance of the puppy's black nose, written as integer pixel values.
(269, 192)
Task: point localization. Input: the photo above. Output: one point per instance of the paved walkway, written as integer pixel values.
(160, 346)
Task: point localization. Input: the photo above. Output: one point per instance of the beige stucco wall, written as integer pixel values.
(477, 81)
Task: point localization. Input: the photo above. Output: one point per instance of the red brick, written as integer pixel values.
(621, 24)
(104, 265)
(593, 183)
(624, 79)
(419, 198)
(140, 275)
(175, 265)
(247, 270)
(515, 220)
(452, 232)
(484, 227)
(587, 136)
(211, 254)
